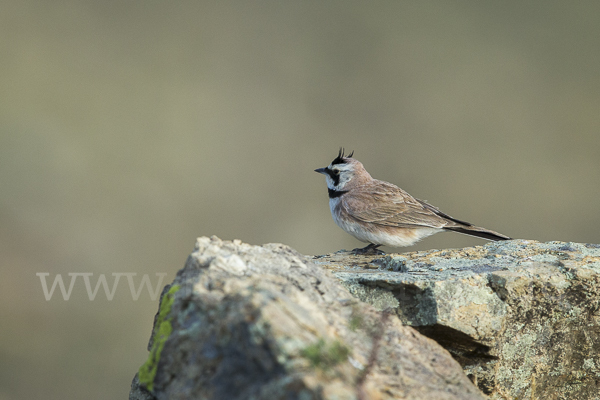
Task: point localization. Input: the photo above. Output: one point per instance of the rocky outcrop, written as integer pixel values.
(264, 322)
(522, 317)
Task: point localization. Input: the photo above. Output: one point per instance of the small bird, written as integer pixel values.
(380, 213)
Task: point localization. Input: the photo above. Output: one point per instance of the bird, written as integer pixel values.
(380, 213)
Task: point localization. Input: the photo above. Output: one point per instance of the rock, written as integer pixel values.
(522, 317)
(264, 322)
(139, 392)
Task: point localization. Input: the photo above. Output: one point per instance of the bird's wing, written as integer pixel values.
(385, 204)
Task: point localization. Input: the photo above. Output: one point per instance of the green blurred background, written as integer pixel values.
(127, 129)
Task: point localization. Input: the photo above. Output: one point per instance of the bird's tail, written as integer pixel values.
(464, 227)
(476, 231)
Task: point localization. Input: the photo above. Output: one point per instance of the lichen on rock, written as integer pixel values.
(522, 317)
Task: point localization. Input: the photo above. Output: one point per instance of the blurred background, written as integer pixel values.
(127, 129)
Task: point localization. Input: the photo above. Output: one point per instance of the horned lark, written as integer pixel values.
(380, 213)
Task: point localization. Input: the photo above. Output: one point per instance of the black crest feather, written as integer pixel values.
(340, 158)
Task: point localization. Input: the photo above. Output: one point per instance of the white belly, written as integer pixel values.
(371, 233)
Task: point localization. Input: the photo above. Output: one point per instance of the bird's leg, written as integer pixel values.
(370, 249)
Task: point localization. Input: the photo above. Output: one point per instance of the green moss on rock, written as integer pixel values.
(325, 356)
(163, 329)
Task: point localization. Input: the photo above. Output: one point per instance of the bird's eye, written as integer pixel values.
(336, 171)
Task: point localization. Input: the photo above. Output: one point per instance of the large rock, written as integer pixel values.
(264, 322)
(522, 317)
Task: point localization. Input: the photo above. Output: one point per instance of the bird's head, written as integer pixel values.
(344, 172)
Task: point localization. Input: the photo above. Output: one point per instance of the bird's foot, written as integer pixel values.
(370, 250)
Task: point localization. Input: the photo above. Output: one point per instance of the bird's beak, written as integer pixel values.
(321, 170)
